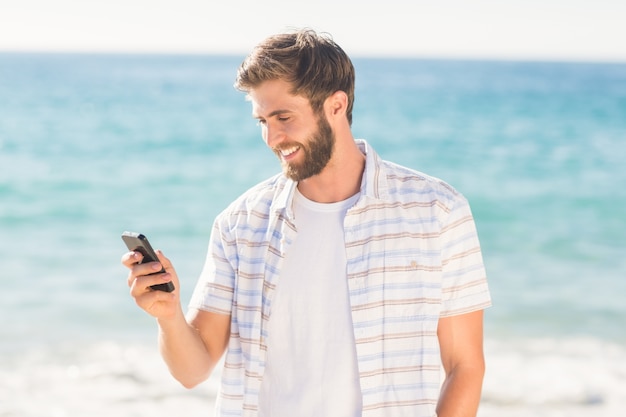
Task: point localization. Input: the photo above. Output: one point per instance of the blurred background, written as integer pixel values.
(122, 116)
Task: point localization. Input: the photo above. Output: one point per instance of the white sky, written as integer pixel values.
(500, 29)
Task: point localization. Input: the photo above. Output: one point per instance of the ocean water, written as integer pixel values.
(92, 145)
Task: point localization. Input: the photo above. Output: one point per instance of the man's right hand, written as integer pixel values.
(160, 304)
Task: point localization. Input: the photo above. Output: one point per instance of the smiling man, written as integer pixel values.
(293, 118)
(339, 287)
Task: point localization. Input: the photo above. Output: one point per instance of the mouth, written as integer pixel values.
(286, 153)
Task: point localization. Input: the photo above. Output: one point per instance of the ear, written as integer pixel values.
(336, 104)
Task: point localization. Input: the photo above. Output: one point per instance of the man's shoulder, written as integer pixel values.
(404, 181)
(257, 198)
(389, 180)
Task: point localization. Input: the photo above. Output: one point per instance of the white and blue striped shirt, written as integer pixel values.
(413, 256)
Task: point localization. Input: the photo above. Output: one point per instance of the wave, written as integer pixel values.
(538, 377)
(554, 377)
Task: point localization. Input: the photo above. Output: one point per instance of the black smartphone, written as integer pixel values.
(139, 243)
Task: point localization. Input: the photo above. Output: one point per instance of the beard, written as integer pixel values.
(317, 153)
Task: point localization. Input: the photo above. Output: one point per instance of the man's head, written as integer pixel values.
(313, 64)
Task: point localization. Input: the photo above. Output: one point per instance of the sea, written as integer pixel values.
(92, 145)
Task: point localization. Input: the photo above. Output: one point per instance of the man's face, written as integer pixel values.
(317, 150)
(302, 140)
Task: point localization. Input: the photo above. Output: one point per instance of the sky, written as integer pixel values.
(578, 30)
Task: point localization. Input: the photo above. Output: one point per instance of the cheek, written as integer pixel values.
(297, 133)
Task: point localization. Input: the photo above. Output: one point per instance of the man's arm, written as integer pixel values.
(461, 343)
(192, 346)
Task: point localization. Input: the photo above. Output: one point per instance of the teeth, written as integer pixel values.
(289, 151)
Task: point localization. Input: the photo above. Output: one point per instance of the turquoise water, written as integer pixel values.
(92, 145)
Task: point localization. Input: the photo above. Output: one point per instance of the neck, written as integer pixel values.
(340, 179)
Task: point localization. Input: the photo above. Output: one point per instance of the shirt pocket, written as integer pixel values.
(411, 288)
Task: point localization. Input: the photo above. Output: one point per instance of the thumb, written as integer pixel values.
(167, 265)
(165, 262)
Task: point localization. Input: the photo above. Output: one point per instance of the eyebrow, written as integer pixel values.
(272, 114)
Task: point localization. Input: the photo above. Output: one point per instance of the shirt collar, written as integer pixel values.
(373, 185)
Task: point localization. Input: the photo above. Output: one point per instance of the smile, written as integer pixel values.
(288, 151)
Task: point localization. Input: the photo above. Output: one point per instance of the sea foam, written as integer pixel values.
(529, 377)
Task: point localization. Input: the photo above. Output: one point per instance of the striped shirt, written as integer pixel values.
(413, 256)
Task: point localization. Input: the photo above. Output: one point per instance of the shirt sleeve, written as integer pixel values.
(215, 287)
(464, 280)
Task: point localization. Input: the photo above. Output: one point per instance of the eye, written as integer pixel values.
(261, 122)
(283, 118)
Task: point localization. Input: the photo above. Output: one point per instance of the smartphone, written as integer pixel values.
(139, 243)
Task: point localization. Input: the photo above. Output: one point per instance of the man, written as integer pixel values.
(338, 287)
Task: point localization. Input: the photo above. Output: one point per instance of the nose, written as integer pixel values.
(272, 134)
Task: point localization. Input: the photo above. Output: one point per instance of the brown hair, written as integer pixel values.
(312, 63)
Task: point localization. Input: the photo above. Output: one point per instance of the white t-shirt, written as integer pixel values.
(311, 366)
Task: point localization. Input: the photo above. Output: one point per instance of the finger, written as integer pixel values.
(147, 268)
(169, 268)
(167, 264)
(140, 270)
(131, 258)
(141, 284)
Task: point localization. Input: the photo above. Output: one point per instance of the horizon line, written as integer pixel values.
(354, 55)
